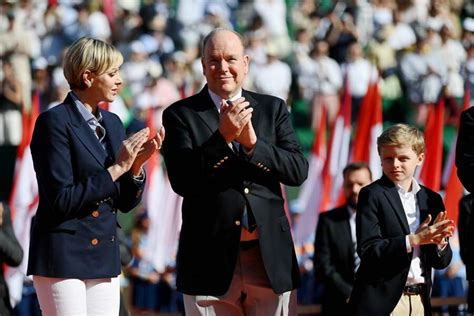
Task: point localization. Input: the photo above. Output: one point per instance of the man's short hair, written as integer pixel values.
(211, 34)
(402, 134)
(354, 166)
(89, 54)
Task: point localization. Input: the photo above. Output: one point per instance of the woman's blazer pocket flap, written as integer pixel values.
(68, 226)
(284, 224)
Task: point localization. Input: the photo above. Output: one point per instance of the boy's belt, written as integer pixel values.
(414, 289)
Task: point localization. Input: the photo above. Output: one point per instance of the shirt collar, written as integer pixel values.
(90, 118)
(217, 99)
(415, 187)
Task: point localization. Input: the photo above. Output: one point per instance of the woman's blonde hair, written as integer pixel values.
(89, 54)
(402, 134)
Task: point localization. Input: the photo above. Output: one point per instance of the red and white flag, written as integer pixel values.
(309, 198)
(23, 201)
(430, 172)
(453, 189)
(163, 207)
(338, 156)
(368, 128)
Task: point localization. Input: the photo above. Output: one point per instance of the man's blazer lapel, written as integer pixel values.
(207, 111)
(394, 199)
(209, 114)
(84, 133)
(256, 110)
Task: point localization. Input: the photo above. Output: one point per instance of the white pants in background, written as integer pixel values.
(67, 297)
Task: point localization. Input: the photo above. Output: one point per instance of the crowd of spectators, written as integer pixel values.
(304, 51)
(420, 49)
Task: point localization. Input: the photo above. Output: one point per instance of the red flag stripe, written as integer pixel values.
(430, 174)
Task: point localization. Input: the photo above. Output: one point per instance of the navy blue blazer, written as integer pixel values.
(74, 232)
(334, 260)
(217, 184)
(465, 149)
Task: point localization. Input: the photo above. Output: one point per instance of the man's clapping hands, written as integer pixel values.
(236, 123)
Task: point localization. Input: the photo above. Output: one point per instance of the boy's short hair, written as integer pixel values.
(402, 134)
(89, 54)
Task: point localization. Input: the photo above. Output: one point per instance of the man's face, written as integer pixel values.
(224, 64)
(353, 182)
(399, 164)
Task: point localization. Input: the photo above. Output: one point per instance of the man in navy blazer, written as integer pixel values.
(465, 149)
(466, 236)
(227, 150)
(465, 166)
(335, 260)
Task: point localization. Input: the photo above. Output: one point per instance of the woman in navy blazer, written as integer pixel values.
(86, 172)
